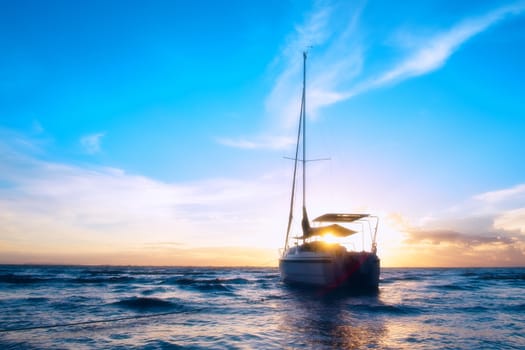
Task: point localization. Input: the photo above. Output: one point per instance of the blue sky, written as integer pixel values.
(153, 132)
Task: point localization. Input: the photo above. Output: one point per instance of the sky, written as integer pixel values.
(154, 132)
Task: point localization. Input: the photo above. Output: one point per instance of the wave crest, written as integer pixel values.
(146, 304)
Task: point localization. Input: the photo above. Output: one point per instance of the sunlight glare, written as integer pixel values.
(330, 238)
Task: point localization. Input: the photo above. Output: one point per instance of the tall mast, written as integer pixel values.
(303, 116)
(302, 126)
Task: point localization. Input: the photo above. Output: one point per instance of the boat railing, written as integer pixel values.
(363, 224)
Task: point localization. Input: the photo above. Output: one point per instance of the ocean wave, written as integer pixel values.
(453, 287)
(153, 291)
(469, 274)
(474, 309)
(269, 277)
(226, 285)
(109, 279)
(37, 300)
(517, 308)
(34, 279)
(71, 303)
(169, 344)
(98, 272)
(517, 276)
(212, 288)
(147, 304)
(188, 281)
(236, 281)
(386, 309)
(22, 279)
(274, 297)
(394, 279)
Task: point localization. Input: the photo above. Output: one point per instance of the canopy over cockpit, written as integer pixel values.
(340, 217)
(334, 229)
(367, 222)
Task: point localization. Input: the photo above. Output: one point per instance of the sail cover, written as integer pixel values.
(340, 217)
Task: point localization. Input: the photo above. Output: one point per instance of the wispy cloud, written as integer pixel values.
(91, 143)
(331, 33)
(435, 51)
(340, 49)
(517, 191)
(337, 52)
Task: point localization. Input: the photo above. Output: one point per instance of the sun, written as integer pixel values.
(330, 238)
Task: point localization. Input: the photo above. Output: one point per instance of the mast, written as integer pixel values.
(302, 127)
(305, 223)
(303, 114)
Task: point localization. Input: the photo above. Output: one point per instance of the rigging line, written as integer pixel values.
(59, 325)
(301, 123)
(303, 105)
(290, 217)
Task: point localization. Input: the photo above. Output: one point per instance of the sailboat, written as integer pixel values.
(314, 260)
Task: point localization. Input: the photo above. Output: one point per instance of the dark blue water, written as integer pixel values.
(56, 307)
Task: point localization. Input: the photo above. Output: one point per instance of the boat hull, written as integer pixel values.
(352, 270)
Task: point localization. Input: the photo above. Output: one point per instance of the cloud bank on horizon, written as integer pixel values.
(486, 230)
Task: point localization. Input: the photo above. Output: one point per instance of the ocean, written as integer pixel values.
(79, 307)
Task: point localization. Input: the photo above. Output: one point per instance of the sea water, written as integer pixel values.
(78, 307)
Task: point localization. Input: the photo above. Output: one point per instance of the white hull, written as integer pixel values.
(355, 270)
(317, 271)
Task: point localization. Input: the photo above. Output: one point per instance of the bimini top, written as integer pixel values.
(340, 217)
(334, 229)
